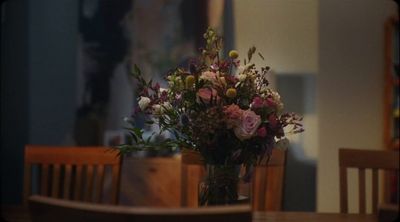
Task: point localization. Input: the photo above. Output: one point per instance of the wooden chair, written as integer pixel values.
(72, 172)
(266, 187)
(364, 159)
(46, 209)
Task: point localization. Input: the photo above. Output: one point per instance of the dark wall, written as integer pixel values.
(14, 97)
(38, 82)
(53, 38)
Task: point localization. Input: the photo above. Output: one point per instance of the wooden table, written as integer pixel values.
(311, 217)
(21, 214)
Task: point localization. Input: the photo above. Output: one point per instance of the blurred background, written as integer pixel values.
(65, 66)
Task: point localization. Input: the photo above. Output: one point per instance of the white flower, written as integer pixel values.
(277, 99)
(157, 109)
(161, 90)
(242, 77)
(243, 68)
(264, 89)
(144, 102)
(275, 96)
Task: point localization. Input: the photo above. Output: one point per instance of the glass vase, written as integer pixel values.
(220, 185)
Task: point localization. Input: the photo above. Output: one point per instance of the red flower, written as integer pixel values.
(257, 102)
(273, 121)
(262, 132)
(270, 102)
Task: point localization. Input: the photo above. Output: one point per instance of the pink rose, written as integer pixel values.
(233, 111)
(205, 94)
(248, 125)
(262, 132)
(209, 76)
(233, 115)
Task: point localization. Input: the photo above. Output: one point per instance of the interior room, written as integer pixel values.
(160, 84)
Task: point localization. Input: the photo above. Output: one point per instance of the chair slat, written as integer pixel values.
(44, 179)
(78, 182)
(361, 185)
(56, 181)
(375, 191)
(89, 183)
(67, 181)
(115, 184)
(99, 183)
(343, 190)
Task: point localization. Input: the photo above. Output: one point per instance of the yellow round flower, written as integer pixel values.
(233, 54)
(189, 81)
(231, 93)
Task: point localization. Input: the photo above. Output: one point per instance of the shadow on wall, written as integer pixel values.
(300, 181)
(298, 92)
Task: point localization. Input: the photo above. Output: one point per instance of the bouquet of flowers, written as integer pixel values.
(219, 107)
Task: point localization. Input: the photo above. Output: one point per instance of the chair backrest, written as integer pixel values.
(364, 159)
(151, 181)
(72, 172)
(266, 187)
(46, 209)
(268, 182)
(193, 171)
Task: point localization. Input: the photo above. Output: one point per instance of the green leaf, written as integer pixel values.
(262, 57)
(250, 53)
(150, 122)
(136, 70)
(134, 137)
